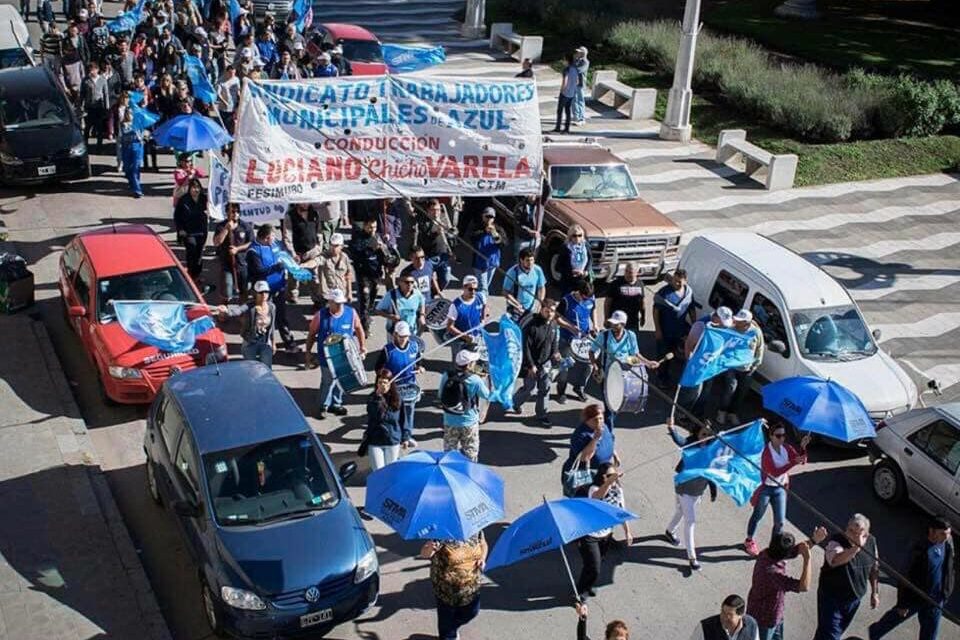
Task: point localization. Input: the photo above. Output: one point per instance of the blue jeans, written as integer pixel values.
(928, 616)
(777, 496)
(579, 105)
(407, 410)
(261, 351)
(563, 111)
(833, 616)
(331, 393)
(772, 633)
(450, 618)
(234, 287)
(441, 265)
(485, 279)
(132, 159)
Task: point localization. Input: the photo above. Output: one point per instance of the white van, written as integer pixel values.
(811, 324)
(16, 49)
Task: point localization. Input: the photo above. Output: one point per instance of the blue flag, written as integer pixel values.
(302, 11)
(128, 21)
(299, 273)
(504, 352)
(163, 325)
(718, 350)
(233, 6)
(199, 80)
(402, 58)
(731, 461)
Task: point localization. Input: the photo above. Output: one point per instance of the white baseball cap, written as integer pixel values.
(618, 317)
(402, 328)
(470, 280)
(725, 315)
(336, 295)
(261, 286)
(743, 316)
(336, 238)
(466, 356)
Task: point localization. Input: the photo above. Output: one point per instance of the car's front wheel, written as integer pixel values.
(889, 484)
(210, 611)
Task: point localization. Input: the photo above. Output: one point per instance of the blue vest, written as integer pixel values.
(399, 359)
(268, 258)
(330, 325)
(488, 253)
(578, 313)
(468, 314)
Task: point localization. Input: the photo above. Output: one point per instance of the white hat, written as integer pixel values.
(582, 50)
(725, 315)
(261, 286)
(743, 316)
(336, 295)
(618, 317)
(337, 49)
(401, 328)
(200, 32)
(466, 356)
(489, 212)
(336, 238)
(470, 280)
(297, 46)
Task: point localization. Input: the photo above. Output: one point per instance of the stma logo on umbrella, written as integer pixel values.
(353, 138)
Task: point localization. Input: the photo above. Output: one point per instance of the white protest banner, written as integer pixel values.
(347, 138)
(218, 195)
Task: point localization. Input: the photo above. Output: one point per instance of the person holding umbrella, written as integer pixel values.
(689, 494)
(455, 572)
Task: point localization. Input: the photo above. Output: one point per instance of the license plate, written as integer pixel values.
(316, 618)
(47, 171)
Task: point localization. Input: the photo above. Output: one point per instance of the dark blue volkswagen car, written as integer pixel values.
(280, 549)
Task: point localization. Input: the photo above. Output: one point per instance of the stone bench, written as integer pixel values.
(781, 168)
(518, 47)
(639, 103)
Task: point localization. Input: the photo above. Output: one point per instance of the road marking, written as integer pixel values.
(659, 152)
(930, 327)
(925, 282)
(885, 248)
(675, 175)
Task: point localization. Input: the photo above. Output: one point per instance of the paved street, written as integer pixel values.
(892, 243)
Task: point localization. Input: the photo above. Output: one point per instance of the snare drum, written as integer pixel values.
(436, 317)
(343, 359)
(625, 388)
(580, 348)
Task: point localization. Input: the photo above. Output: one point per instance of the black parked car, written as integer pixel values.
(40, 135)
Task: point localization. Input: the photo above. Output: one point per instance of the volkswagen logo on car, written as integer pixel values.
(312, 594)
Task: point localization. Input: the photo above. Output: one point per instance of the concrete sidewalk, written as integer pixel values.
(68, 568)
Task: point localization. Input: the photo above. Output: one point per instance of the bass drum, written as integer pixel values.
(625, 388)
(343, 359)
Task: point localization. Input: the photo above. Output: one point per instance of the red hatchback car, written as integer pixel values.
(360, 47)
(128, 262)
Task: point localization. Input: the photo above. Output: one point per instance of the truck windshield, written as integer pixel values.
(592, 182)
(837, 333)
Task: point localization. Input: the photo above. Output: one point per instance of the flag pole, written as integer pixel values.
(566, 563)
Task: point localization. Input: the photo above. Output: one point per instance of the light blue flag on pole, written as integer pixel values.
(199, 80)
(718, 350)
(731, 461)
(163, 325)
(142, 118)
(304, 13)
(504, 352)
(128, 21)
(401, 58)
(299, 273)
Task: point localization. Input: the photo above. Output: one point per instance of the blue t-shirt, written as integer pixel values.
(523, 285)
(424, 278)
(935, 556)
(487, 254)
(476, 388)
(582, 436)
(615, 349)
(578, 313)
(674, 307)
(407, 307)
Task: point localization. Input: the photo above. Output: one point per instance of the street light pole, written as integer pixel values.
(676, 124)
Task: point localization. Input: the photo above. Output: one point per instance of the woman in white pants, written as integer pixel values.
(384, 436)
(689, 494)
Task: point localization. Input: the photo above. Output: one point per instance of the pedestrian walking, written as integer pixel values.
(191, 222)
(262, 264)
(232, 238)
(732, 623)
(541, 357)
(94, 104)
(131, 152)
(423, 273)
(385, 434)
(455, 572)
(568, 93)
(626, 293)
(258, 320)
(616, 344)
(577, 317)
(335, 270)
(526, 231)
(487, 242)
(400, 357)
(688, 495)
(932, 570)
(461, 390)
(574, 259)
(777, 460)
(579, 104)
(404, 303)
(592, 444)
(674, 312)
(430, 232)
(851, 565)
(338, 318)
(302, 239)
(770, 582)
(736, 382)
(466, 316)
(699, 400)
(368, 254)
(594, 546)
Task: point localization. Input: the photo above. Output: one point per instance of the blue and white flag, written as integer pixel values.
(303, 11)
(299, 273)
(163, 325)
(128, 21)
(731, 461)
(233, 6)
(505, 353)
(401, 58)
(142, 118)
(718, 350)
(199, 81)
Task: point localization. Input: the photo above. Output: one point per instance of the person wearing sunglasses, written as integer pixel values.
(574, 260)
(422, 271)
(466, 315)
(403, 304)
(776, 462)
(594, 546)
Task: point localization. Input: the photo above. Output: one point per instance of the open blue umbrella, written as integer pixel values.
(819, 406)
(435, 495)
(191, 132)
(552, 525)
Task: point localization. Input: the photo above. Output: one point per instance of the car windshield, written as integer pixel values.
(25, 111)
(361, 50)
(838, 333)
(161, 284)
(592, 182)
(270, 481)
(10, 58)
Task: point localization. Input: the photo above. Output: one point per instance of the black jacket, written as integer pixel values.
(565, 267)
(190, 215)
(918, 573)
(540, 342)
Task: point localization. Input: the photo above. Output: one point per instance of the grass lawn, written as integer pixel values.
(892, 36)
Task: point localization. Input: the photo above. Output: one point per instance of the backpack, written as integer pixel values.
(454, 396)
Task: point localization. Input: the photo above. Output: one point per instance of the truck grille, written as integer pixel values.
(637, 249)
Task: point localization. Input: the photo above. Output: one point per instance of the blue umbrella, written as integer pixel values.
(552, 525)
(191, 132)
(820, 406)
(435, 495)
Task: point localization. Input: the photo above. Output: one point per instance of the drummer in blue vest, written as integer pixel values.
(524, 284)
(466, 316)
(262, 264)
(399, 357)
(577, 317)
(338, 318)
(616, 343)
(403, 303)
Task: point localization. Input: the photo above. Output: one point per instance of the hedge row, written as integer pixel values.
(807, 101)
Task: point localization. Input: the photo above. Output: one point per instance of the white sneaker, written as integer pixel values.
(721, 417)
(733, 420)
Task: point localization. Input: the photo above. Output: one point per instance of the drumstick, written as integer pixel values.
(665, 358)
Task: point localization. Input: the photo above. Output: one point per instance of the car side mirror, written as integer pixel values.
(876, 334)
(186, 508)
(777, 346)
(347, 470)
(77, 311)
